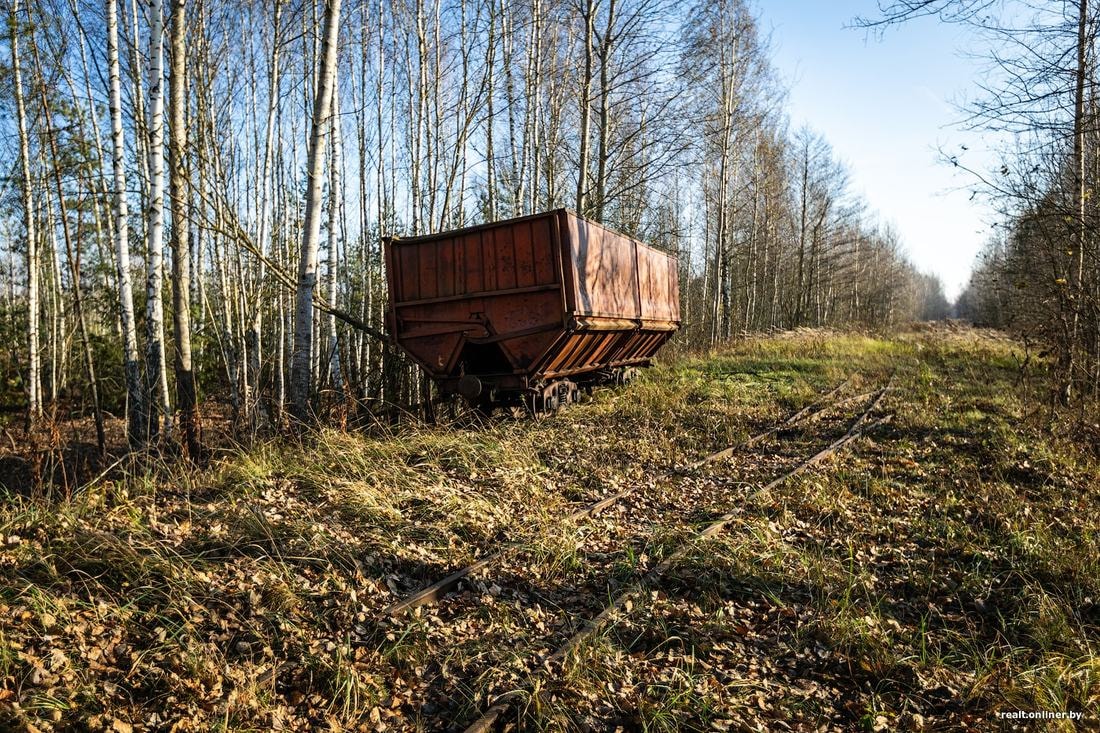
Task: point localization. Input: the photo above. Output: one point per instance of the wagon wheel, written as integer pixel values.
(483, 408)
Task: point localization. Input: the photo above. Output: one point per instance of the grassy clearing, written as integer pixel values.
(944, 571)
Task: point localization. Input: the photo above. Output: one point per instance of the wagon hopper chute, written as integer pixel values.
(529, 309)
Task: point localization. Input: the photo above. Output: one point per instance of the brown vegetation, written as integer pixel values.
(938, 572)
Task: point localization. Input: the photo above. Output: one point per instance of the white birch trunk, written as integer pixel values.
(300, 371)
(490, 154)
(256, 322)
(335, 196)
(590, 7)
(34, 381)
(156, 368)
(187, 396)
(135, 412)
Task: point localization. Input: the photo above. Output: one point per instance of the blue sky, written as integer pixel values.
(886, 106)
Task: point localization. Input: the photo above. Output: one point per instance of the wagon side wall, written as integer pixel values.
(500, 283)
(615, 277)
(622, 298)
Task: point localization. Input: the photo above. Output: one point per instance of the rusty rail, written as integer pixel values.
(434, 592)
(505, 702)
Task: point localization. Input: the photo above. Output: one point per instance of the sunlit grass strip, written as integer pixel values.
(624, 601)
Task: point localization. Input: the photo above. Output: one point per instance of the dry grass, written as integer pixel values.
(945, 571)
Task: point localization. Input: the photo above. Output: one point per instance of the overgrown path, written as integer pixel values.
(624, 600)
(939, 570)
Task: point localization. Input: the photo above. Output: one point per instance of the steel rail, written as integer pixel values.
(504, 703)
(434, 592)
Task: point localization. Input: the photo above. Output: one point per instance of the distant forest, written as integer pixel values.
(195, 192)
(1039, 275)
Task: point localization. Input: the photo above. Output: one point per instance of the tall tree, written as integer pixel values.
(156, 373)
(331, 271)
(267, 195)
(588, 14)
(186, 393)
(1080, 196)
(135, 403)
(301, 365)
(34, 368)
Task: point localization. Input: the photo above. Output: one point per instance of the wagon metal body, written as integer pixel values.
(529, 307)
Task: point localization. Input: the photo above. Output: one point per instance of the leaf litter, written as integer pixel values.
(935, 575)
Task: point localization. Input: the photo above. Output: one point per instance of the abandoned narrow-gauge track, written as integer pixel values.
(247, 595)
(435, 591)
(602, 570)
(486, 722)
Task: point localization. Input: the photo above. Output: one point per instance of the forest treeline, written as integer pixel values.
(195, 191)
(1039, 274)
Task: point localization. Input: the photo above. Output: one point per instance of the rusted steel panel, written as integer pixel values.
(604, 271)
(614, 276)
(659, 287)
(529, 299)
(493, 286)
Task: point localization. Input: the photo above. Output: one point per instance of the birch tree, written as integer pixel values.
(267, 196)
(186, 395)
(331, 271)
(135, 397)
(588, 15)
(301, 365)
(26, 184)
(160, 414)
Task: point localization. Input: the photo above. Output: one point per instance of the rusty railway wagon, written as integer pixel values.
(530, 310)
